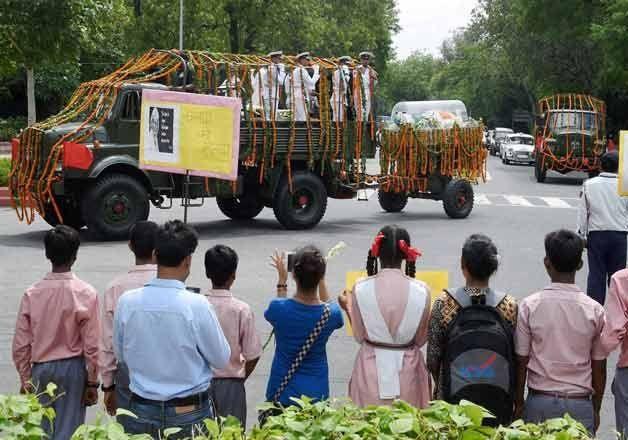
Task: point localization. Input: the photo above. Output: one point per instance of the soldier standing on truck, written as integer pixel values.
(340, 85)
(273, 77)
(363, 90)
(300, 87)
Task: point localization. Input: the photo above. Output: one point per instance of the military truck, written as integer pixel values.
(571, 135)
(81, 167)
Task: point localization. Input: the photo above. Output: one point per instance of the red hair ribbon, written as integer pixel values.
(377, 245)
(410, 253)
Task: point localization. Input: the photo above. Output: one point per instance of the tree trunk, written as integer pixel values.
(30, 95)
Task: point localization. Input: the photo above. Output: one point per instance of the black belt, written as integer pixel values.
(194, 399)
(391, 346)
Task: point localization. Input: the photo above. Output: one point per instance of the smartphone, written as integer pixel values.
(290, 257)
(193, 289)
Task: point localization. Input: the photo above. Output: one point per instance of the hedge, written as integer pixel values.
(21, 416)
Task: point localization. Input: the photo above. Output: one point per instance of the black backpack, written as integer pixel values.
(478, 361)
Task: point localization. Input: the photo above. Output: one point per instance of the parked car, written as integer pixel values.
(518, 148)
(499, 135)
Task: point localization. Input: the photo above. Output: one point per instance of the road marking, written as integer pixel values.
(482, 199)
(518, 200)
(555, 202)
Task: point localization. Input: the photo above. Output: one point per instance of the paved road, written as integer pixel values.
(512, 208)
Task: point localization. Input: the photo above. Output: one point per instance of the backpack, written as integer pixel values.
(478, 361)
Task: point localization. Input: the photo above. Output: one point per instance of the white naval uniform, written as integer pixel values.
(300, 87)
(363, 92)
(339, 100)
(273, 77)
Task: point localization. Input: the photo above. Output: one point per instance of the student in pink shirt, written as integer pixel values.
(115, 378)
(238, 324)
(614, 335)
(558, 342)
(56, 337)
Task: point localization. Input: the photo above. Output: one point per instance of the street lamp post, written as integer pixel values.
(180, 24)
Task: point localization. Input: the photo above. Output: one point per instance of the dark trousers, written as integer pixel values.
(606, 252)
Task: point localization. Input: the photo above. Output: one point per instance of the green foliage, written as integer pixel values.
(21, 416)
(5, 168)
(10, 127)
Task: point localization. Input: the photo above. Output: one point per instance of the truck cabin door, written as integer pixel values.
(128, 130)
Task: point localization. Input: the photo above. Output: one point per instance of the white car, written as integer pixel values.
(517, 148)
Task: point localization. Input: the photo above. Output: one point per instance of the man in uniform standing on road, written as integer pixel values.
(170, 339)
(603, 222)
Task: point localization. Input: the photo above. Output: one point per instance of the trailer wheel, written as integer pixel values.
(392, 202)
(540, 172)
(72, 215)
(113, 204)
(240, 208)
(305, 206)
(458, 198)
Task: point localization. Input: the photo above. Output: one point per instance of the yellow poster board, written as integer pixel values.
(437, 281)
(623, 163)
(187, 132)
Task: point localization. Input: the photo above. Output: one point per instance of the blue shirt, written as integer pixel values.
(293, 322)
(169, 338)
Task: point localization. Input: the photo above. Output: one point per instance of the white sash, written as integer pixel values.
(389, 362)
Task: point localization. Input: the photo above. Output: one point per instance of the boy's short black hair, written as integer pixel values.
(480, 257)
(564, 249)
(142, 238)
(221, 262)
(62, 243)
(610, 162)
(309, 267)
(175, 242)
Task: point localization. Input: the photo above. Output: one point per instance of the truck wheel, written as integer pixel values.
(305, 206)
(113, 204)
(240, 208)
(458, 198)
(540, 172)
(392, 202)
(72, 215)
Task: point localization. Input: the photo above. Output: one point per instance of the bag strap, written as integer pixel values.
(307, 345)
(493, 298)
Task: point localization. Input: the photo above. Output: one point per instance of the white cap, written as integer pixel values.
(303, 55)
(275, 53)
(344, 58)
(366, 55)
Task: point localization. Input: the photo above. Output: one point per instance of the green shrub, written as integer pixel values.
(20, 417)
(10, 127)
(5, 167)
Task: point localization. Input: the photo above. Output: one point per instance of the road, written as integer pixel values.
(511, 208)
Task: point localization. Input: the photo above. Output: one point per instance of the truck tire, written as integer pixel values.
(113, 204)
(392, 202)
(72, 215)
(540, 172)
(305, 206)
(240, 208)
(458, 198)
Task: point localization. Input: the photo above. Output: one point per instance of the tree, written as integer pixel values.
(44, 32)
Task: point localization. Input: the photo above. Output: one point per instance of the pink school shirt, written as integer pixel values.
(559, 330)
(614, 332)
(134, 279)
(58, 319)
(391, 290)
(238, 325)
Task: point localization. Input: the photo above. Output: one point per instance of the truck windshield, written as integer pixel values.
(561, 121)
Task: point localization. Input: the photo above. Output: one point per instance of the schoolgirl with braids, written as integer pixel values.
(389, 312)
